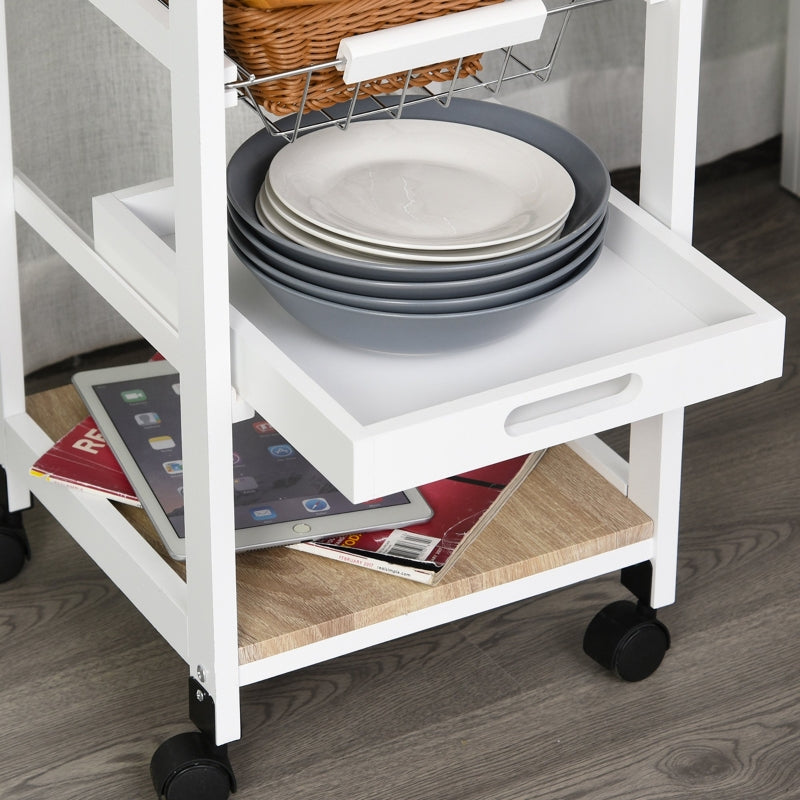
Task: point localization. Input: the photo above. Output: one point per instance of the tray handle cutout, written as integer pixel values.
(568, 406)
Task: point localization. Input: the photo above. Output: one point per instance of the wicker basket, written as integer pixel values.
(274, 40)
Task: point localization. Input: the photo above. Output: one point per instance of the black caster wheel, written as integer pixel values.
(626, 638)
(14, 551)
(190, 767)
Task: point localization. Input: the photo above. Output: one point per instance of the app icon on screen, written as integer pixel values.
(147, 418)
(263, 513)
(281, 450)
(244, 484)
(133, 395)
(316, 504)
(161, 442)
(173, 467)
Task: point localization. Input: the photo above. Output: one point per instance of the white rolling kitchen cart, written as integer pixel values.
(654, 327)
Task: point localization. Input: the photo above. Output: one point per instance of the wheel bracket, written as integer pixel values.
(638, 580)
(202, 711)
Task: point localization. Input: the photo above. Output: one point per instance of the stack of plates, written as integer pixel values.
(443, 229)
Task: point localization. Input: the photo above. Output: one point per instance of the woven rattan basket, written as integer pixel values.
(269, 41)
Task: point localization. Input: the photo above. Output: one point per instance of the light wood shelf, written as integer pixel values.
(564, 512)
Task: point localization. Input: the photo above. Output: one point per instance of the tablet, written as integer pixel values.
(279, 497)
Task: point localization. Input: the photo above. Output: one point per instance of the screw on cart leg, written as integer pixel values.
(14, 547)
(625, 637)
(190, 766)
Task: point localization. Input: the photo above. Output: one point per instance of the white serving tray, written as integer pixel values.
(654, 326)
(146, 262)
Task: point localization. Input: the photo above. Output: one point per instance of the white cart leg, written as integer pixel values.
(12, 385)
(14, 549)
(654, 484)
(198, 124)
(790, 165)
(669, 136)
(669, 111)
(625, 636)
(195, 763)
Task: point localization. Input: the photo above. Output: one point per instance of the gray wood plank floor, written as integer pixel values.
(503, 706)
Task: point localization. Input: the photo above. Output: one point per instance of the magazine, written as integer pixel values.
(463, 505)
(83, 460)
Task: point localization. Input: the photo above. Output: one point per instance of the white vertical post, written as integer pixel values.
(656, 447)
(198, 124)
(12, 381)
(790, 163)
(669, 145)
(669, 113)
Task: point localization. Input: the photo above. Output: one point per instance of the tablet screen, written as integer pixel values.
(272, 482)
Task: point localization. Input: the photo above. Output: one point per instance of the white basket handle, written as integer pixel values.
(477, 30)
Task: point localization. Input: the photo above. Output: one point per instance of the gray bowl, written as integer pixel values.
(428, 290)
(248, 167)
(412, 334)
(443, 305)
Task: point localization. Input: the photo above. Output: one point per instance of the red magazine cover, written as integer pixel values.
(81, 458)
(462, 507)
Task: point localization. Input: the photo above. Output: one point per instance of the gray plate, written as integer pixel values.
(413, 289)
(248, 166)
(408, 333)
(445, 305)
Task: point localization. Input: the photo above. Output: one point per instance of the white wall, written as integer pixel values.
(596, 85)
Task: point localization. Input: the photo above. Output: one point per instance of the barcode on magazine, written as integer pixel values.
(404, 544)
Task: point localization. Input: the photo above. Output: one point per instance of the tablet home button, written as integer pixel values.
(301, 527)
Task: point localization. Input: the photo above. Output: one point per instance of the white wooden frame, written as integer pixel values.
(669, 145)
(12, 385)
(790, 165)
(198, 617)
(198, 130)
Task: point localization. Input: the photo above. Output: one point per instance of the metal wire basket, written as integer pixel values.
(266, 41)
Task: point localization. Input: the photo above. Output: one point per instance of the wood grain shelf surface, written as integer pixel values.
(564, 512)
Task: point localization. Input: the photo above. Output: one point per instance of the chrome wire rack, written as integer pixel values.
(509, 67)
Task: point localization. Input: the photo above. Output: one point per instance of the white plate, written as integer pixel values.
(275, 223)
(272, 213)
(421, 184)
